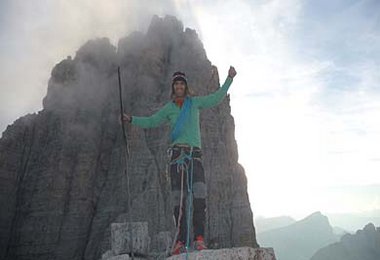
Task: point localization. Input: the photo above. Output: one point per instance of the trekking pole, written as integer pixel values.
(122, 112)
(125, 161)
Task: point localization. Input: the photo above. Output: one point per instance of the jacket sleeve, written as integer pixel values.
(151, 121)
(214, 98)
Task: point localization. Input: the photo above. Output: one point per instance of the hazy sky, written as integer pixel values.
(306, 100)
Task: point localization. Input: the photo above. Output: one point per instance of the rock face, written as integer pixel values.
(306, 236)
(123, 248)
(237, 253)
(130, 237)
(62, 173)
(364, 245)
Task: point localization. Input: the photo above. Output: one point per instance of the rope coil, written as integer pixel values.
(184, 163)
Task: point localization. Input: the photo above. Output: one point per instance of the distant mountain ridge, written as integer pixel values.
(303, 237)
(264, 224)
(342, 223)
(363, 245)
(354, 221)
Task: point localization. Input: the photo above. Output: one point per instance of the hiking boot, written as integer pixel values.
(199, 243)
(179, 248)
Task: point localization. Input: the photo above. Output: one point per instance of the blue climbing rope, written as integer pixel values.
(181, 163)
(189, 199)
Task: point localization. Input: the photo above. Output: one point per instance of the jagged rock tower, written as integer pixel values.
(62, 170)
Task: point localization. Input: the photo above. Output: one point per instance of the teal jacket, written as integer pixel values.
(170, 111)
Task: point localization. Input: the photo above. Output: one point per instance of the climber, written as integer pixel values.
(186, 171)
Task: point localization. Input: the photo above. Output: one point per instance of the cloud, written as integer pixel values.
(305, 101)
(35, 35)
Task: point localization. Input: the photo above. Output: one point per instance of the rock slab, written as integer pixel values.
(123, 257)
(130, 237)
(237, 253)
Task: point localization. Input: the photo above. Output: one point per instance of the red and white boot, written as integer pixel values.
(179, 248)
(199, 243)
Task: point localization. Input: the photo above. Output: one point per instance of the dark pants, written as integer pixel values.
(188, 173)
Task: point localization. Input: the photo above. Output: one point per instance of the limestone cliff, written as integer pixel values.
(62, 170)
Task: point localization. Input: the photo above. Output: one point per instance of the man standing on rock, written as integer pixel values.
(186, 171)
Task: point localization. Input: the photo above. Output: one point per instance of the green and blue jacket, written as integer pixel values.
(190, 133)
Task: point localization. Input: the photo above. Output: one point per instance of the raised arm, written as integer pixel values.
(216, 97)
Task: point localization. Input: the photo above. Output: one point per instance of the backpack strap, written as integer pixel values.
(185, 111)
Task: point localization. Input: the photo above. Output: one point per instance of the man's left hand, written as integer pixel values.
(231, 72)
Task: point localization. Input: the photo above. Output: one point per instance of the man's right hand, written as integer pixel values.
(126, 118)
